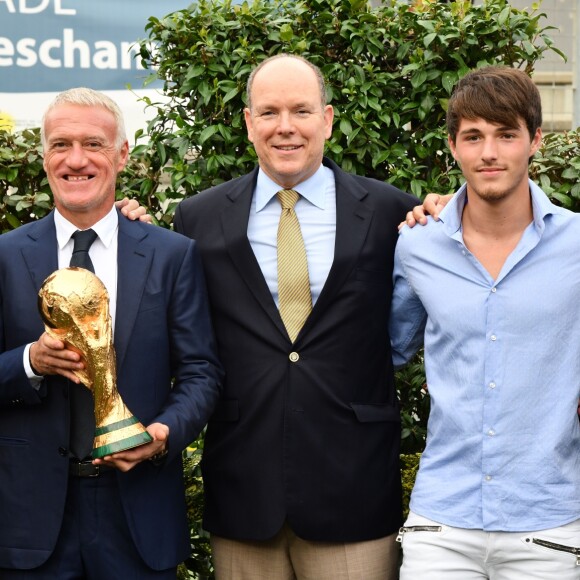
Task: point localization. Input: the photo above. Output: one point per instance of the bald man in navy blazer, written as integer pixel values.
(301, 457)
(123, 516)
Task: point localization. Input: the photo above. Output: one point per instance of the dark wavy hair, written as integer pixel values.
(497, 94)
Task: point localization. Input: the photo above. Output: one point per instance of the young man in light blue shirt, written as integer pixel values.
(492, 290)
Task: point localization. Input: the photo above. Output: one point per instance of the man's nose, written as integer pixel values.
(76, 156)
(285, 123)
(489, 149)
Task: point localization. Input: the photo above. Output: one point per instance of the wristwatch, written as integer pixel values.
(159, 458)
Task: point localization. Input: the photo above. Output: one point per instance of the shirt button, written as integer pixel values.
(488, 478)
(494, 289)
(294, 356)
(493, 337)
(492, 385)
(491, 432)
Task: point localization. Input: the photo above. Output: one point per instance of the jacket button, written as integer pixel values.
(294, 356)
(63, 451)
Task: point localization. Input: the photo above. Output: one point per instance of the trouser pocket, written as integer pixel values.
(408, 529)
(556, 547)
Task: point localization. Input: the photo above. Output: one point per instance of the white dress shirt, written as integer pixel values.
(103, 253)
(316, 212)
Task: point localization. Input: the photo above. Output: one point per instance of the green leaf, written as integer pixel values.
(161, 151)
(12, 220)
(429, 38)
(448, 80)
(230, 95)
(208, 132)
(416, 188)
(345, 127)
(418, 79)
(286, 33)
(571, 174)
(11, 174)
(563, 199)
(504, 16)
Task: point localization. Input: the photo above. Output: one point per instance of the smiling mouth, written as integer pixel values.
(287, 147)
(78, 177)
(490, 169)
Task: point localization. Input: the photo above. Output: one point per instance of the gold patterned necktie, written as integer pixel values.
(295, 300)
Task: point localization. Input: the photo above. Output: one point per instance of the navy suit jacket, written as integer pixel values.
(162, 334)
(305, 432)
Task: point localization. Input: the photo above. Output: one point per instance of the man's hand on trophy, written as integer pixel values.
(49, 356)
(154, 451)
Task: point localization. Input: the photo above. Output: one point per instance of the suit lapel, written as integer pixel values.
(353, 219)
(133, 264)
(234, 220)
(41, 254)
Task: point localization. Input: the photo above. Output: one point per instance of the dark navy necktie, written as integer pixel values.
(82, 428)
(80, 256)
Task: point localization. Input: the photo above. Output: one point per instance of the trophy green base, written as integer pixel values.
(119, 436)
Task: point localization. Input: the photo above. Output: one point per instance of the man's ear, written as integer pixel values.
(123, 156)
(328, 118)
(249, 126)
(536, 142)
(451, 144)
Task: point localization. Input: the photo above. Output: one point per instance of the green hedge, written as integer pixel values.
(390, 71)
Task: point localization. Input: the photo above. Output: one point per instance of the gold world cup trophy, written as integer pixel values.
(74, 305)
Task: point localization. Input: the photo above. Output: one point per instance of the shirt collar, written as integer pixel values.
(313, 189)
(451, 214)
(105, 228)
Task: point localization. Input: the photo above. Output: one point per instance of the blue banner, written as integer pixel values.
(52, 45)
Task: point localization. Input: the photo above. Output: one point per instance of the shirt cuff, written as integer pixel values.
(35, 379)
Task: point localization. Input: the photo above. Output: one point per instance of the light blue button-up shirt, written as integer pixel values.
(502, 359)
(316, 212)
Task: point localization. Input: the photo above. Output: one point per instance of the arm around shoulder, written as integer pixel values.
(432, 205)
(408, 317)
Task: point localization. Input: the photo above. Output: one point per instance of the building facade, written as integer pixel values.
(558, 79)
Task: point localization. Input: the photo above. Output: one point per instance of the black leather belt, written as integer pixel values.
(86, 469)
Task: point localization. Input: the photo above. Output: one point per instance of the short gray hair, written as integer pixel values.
(315, 69)
(88, 98)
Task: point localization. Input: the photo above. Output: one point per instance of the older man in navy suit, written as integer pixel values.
(64, 514)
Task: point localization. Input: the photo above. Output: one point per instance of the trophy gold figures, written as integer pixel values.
(74, 305)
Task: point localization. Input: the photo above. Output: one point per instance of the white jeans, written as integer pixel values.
(432, 551)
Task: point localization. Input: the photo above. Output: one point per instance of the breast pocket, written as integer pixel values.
(13, 442)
